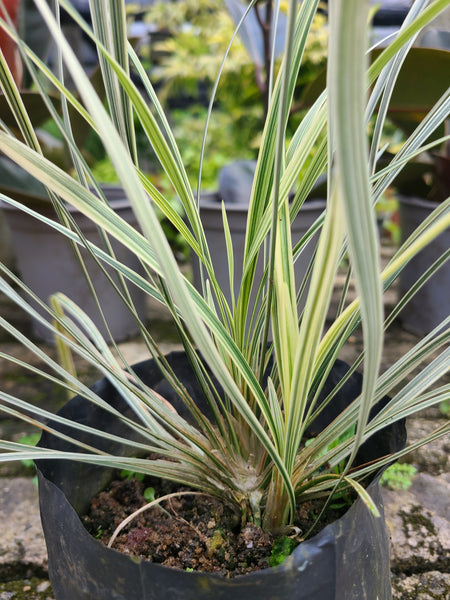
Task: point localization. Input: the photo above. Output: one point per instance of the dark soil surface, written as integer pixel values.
(189, 532)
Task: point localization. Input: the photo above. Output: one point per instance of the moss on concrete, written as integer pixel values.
(26, 589)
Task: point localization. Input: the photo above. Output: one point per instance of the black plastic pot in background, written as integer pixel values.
(347, 560)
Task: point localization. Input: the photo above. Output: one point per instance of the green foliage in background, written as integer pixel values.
(398, 476)
(187, 60)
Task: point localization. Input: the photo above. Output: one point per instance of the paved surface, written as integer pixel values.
(418, 519)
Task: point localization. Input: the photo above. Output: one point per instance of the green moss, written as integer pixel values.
(411, 590)
(416, 519)
(27, 589)
(282, 548)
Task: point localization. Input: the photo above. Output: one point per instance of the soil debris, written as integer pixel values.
(194, 533)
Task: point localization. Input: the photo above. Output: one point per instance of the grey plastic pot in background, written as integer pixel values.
(430, 305)
(348, 560)
(211, 217)
(6, 249)
(235, 184)
(47, 264)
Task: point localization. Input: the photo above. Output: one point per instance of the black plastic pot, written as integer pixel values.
(347, 560)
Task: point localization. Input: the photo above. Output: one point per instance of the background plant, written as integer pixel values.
(186, 62)
(399, 476)
(251, 453)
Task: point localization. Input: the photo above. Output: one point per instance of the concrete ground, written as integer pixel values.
(418, 519)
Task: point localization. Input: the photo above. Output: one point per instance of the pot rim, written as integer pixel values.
(119, 201)
(211, 201)
(418, 202)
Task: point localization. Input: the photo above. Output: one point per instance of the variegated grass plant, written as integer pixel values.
(252, 455)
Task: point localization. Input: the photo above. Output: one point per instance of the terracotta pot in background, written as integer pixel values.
(8, 47)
